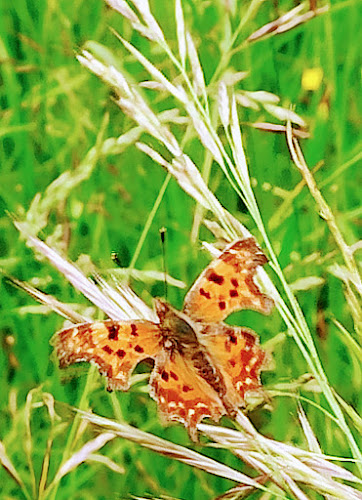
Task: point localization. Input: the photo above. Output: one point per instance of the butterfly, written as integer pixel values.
(203, 367)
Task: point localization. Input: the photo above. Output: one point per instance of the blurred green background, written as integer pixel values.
(53, 112)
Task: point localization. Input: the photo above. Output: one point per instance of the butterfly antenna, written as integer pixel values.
(164, 264)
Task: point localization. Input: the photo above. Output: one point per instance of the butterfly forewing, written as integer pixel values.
(116, 347)
(227, 285)
(182, 395)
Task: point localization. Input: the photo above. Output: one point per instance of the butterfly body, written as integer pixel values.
(175, 327)
(183, 336)
(202, 366)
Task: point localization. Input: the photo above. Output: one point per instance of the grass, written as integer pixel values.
(74, 169)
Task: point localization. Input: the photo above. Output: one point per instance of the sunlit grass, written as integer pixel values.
(63, 137)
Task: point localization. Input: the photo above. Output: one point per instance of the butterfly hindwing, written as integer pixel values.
(238, 356)
(116, 347)
(181, 394)
(227, 285)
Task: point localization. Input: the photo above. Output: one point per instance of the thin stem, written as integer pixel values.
(227, 52)
(148, 223)
(52, 489)
(326, 213)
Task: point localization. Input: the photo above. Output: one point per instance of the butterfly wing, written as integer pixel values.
(227, 285)
(181, 394)
(238, 356)
(116, 347)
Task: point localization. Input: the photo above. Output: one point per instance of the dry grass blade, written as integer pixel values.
(241, 171)
(279, 129)
(207, 138)
(181, 34)
(101, 459)
(84, 454)
(197, 73)
(286, 22)
(144, 9)
(8, 465)
(134, 105)
(146, 276)
(294, 488)
(190, 180)
(153, 71)
(169, 449)
(264, 454)
(351, 412)
(240, 492)
(347, 276)
(49, 301)
(308, 432)
(284, 115)
(307, 283)
(74, 276)
(148, 28)
(223, 105)
(123, 8)
(132, 306)
(272, 458)
(327, 214)
(28, 440)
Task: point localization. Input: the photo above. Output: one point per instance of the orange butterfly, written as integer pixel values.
(203, 367)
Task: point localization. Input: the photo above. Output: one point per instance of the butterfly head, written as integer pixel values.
(163, 310)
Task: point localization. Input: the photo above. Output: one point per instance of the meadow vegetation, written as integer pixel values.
(211, 119)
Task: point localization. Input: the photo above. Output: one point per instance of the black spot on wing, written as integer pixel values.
(121, 353)
(134, 330)
(215, 278)
(204, 293)
(112, 332)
